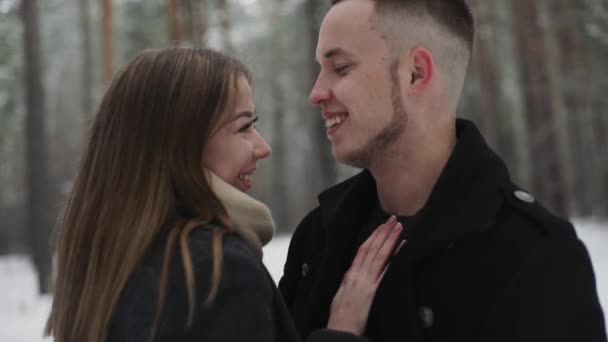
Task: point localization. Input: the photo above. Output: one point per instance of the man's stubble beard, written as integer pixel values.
(390, 133)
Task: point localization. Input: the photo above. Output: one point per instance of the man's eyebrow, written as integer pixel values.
(335, 52)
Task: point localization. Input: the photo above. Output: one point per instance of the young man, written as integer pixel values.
(483, 261)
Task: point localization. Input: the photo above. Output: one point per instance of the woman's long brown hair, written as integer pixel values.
(141, 177)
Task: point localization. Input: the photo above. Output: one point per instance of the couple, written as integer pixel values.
(160, 241)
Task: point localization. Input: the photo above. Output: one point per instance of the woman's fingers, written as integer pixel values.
(385, 240)
(351, 304)
(378, 240)
(399, 247)
(371, 242)
(373, 255)
(379, 263)
(362, 251)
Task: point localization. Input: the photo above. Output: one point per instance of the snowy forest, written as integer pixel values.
(537, 89)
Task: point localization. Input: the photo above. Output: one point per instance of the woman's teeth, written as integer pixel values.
(334, 121)
(246, 178)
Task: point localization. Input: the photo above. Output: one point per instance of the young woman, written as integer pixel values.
(160, 241)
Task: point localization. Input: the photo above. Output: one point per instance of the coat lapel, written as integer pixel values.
(284, 325)
(464, 204)
(343, 214)
(466, 197)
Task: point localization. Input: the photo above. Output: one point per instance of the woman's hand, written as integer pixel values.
(351, 304)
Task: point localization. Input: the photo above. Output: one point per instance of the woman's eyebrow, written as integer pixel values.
(245, 113)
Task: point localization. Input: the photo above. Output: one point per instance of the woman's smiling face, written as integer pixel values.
(236, 146)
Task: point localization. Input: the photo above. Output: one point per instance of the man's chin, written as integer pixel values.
(356, 159)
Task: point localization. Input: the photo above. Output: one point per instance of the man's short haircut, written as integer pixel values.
(455, 16)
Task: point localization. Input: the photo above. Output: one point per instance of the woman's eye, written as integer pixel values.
(251, 124)
(341, 70)
(246, 128)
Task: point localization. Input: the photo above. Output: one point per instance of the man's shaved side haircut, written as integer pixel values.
(455, 16)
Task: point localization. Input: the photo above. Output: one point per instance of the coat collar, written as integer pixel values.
(463, 203)
(467, 195)
(464, 200)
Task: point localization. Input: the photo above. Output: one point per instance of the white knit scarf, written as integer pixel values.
(251, 218)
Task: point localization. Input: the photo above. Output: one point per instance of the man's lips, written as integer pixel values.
(333, 123)
(334, 119)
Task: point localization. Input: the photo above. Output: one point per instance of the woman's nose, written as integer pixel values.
(262, 149)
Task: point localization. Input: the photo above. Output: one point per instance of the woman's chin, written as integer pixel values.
(243, 185)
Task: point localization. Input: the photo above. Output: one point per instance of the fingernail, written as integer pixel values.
(392, 219)
(399, 247)
(398, 226)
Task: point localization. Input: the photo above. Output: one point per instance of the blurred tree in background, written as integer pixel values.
(536, 88)
(39, 197)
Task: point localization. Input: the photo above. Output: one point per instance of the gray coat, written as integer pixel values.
(248, 307)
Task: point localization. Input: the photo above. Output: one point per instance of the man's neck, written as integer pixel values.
(406, 175)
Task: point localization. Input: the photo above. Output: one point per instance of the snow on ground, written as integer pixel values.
(595, 236)
(275, 254)
(23, 313)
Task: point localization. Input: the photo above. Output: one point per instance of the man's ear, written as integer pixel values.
(422, 68)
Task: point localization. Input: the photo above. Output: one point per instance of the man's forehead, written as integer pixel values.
(347, 15)
(334, 53)
(343, 29)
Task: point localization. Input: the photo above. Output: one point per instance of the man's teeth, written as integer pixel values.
(246, 178)
(334, 121)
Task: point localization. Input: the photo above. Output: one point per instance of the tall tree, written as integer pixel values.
(225, 26)
(38, 199)
(595, 15)
(108, 40)
(513, 137)
(198, 21)
(86, 99)
(548, 170)
(485, 70)
(280, 195)
(555, 85)
(327, 172)
(576, 70)
(176, 32)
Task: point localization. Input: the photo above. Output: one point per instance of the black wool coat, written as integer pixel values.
(485, 261)
(248, 306)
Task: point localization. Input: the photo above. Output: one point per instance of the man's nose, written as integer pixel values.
(319, 94)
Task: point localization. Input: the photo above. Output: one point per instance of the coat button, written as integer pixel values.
(426, 316)
(305, 270)
(523, 196)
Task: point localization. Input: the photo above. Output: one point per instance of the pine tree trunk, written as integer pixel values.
(555, 85)
(513, 136)
(39, 217)
(176, 34)
(485, 67)
(596, 16)
(225, 26)
(548, 172)
(280, 195)
(327, 173)
(198, 15)
(86, 101)
(576, 70)
(108, 40)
